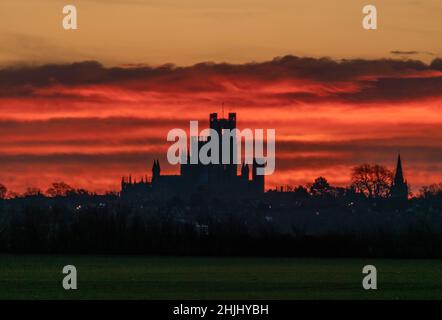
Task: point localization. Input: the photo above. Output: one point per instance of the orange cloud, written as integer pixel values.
(88, 125)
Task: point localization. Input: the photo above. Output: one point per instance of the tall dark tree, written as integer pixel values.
(372, 180)
(59, 189)
(320, 187)
(3, 191)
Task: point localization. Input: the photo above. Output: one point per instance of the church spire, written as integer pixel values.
(399, 175)
(399, 188)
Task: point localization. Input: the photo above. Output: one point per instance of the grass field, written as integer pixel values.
(134, 277)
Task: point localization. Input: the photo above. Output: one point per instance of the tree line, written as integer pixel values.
(373, 181)
(318, 219)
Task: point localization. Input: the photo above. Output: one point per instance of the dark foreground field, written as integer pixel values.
(133, 277)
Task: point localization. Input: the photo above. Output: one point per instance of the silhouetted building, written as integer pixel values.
(217, 178)
(399, 188)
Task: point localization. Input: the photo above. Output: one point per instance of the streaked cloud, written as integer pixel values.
(89, 124)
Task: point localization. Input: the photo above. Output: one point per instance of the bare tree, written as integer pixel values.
(3, 191)
(432, 190)
(59, 189)
(33, 191)
(372, 180)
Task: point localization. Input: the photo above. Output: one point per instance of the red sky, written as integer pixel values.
(88, 125)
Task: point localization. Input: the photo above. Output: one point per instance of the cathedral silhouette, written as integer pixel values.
(220, 179)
